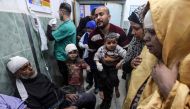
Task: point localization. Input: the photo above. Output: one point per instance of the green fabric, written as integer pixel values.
(63, 35)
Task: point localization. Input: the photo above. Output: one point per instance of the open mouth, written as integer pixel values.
(149, 47)
(100, 23)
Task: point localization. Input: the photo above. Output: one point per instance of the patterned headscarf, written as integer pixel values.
(137, 15)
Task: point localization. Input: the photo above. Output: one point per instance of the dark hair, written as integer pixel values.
(112, 36)
(93, 11)
(66, 7)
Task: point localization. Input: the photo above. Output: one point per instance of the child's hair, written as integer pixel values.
(112, 36)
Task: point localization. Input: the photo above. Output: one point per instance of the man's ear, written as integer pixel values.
(109, 17)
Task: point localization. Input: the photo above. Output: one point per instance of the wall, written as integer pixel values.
(115, 7)
(19, 38)
(20, 6)
(130, 5)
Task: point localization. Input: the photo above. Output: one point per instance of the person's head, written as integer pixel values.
(71, 51)
(64, 11)
(90, 26)
(102, 17)
(172, 33)
(20, 67)
(93, 13)
(136, 22)
(150, 38)
(110, 41)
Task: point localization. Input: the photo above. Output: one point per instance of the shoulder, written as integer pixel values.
(95, 36)
(116, 29)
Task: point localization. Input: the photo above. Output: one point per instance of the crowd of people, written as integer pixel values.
(155, 53)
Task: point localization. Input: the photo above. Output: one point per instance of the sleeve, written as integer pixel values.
(179, 96)
(97, 54)
(61, 33)
(122, 52)
(49, 33)
(134, 49)
(92, 44)
(81, 45)
(84, 65)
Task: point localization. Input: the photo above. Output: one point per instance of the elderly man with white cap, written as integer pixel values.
(37, 90)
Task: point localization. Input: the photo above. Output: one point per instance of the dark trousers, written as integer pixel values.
(91, 76)
(109, 80)
(64, 71)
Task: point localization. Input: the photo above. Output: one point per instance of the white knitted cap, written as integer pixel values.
(70, 47)
(16, 63)
(148, 20)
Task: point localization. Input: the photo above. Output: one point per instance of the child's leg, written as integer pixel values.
(115, 81)
(117, 93)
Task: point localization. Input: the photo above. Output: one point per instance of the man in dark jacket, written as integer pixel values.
(96, 40)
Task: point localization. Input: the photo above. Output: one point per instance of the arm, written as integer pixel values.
(122, 53)
(97, 57)
(81, 45)
(164, 77)
(63, 32)
(49, 33)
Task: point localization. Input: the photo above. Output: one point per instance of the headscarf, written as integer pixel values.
(172, 27)
(148, 23)
(137, 15)
(172, 33)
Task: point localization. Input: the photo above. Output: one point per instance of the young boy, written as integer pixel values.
(83, 43)
(109, 58)
(75, 68)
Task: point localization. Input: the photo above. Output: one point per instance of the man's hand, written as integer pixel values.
(53, 23)
(119, 65)
(101, 94)
(164, 77)
(71, 97)
(136, 61)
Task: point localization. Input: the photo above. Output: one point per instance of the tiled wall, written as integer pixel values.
(14, 40)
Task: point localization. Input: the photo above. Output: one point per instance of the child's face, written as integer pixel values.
(89, 30)
(25, 71)
(73, 55)
(111, 43)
